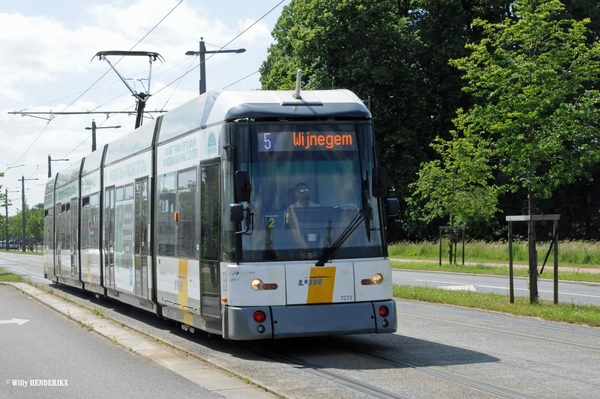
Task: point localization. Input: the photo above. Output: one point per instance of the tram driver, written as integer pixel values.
(303, 197)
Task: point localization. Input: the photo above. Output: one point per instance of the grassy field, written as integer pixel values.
(40, 251)
(7, 276)
(570, 253)
(576, 254)
(562, 312)
(548, 273)
(488, 252)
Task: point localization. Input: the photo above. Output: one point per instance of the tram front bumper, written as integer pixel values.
(309, 320)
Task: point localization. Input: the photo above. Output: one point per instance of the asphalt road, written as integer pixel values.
(43, 355)
(579, 293)
(439, 351)
(30, 266)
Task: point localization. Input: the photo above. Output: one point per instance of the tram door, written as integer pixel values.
(66, 236)
(109, 236)
(58, 236)
(210, 241)
(74, 226)
(141, 237)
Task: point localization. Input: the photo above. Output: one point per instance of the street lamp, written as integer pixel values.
(201, 53)
(22, 180)
(6, 210)
(50, 160)
(12, 167)
(93, 129)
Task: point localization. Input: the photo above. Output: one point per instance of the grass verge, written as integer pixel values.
(7, 276)
(496, 271)
(570, 253)
(39, 252)
(547, 310)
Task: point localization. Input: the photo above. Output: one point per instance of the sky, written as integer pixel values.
(47, 64)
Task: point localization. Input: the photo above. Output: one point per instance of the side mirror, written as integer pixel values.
(236, 213)
(392, 207)
(379, 184)
(242, 186)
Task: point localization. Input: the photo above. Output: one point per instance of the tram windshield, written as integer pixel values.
(309, 183)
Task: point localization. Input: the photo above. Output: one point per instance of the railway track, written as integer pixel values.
(581, 331)
(319, 370)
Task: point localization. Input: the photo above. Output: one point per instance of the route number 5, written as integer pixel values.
(267, 141)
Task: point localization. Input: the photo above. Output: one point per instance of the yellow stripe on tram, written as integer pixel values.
(182, 295)
(322, 282)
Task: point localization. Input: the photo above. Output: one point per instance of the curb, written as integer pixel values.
(207, 375)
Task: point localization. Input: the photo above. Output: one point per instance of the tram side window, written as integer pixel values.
(85, 228)
(167, 192)
(94, 218)
(187, 189)
(124, 222)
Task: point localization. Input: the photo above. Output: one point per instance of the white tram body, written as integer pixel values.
(252, 215)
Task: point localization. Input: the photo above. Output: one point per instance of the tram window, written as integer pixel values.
(187, 188)
(167, 191)
(209, 229)
(85, 228)
(94, 211)
(124, 223)
(120, 194)
(129, 191)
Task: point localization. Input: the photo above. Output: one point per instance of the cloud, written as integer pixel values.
(47, 67)
(258, 34)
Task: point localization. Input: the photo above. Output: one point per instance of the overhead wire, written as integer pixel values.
(175, 88)
(179, 78)
(177, 63)
(225, 45)
(247, 76)
(90, 135)
(93, 84)
(174, 64)
(119, 60)
(329, 33)
(237, 81)
(357, 17)
(191, 69)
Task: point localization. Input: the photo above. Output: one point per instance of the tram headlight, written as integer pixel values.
(375, 280)
(257, 284)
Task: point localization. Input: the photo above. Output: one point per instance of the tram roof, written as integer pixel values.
(263, 103)
(218, 106)
(69, 174)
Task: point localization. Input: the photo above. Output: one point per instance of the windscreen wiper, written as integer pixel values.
(363, 214)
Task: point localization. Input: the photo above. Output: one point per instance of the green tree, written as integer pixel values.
(35, 223)
(369, 47)
(532, 77)
(3, 220)
(458, 186)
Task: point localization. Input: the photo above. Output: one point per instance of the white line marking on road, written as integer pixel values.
(14, 321)
(463, 287)
(439, 282)
(507, 288)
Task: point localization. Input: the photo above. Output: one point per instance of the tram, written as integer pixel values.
(251, 215)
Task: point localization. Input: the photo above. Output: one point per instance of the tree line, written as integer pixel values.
(482, 108)
(34, 226)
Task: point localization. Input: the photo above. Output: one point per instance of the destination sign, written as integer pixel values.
(306, 141)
